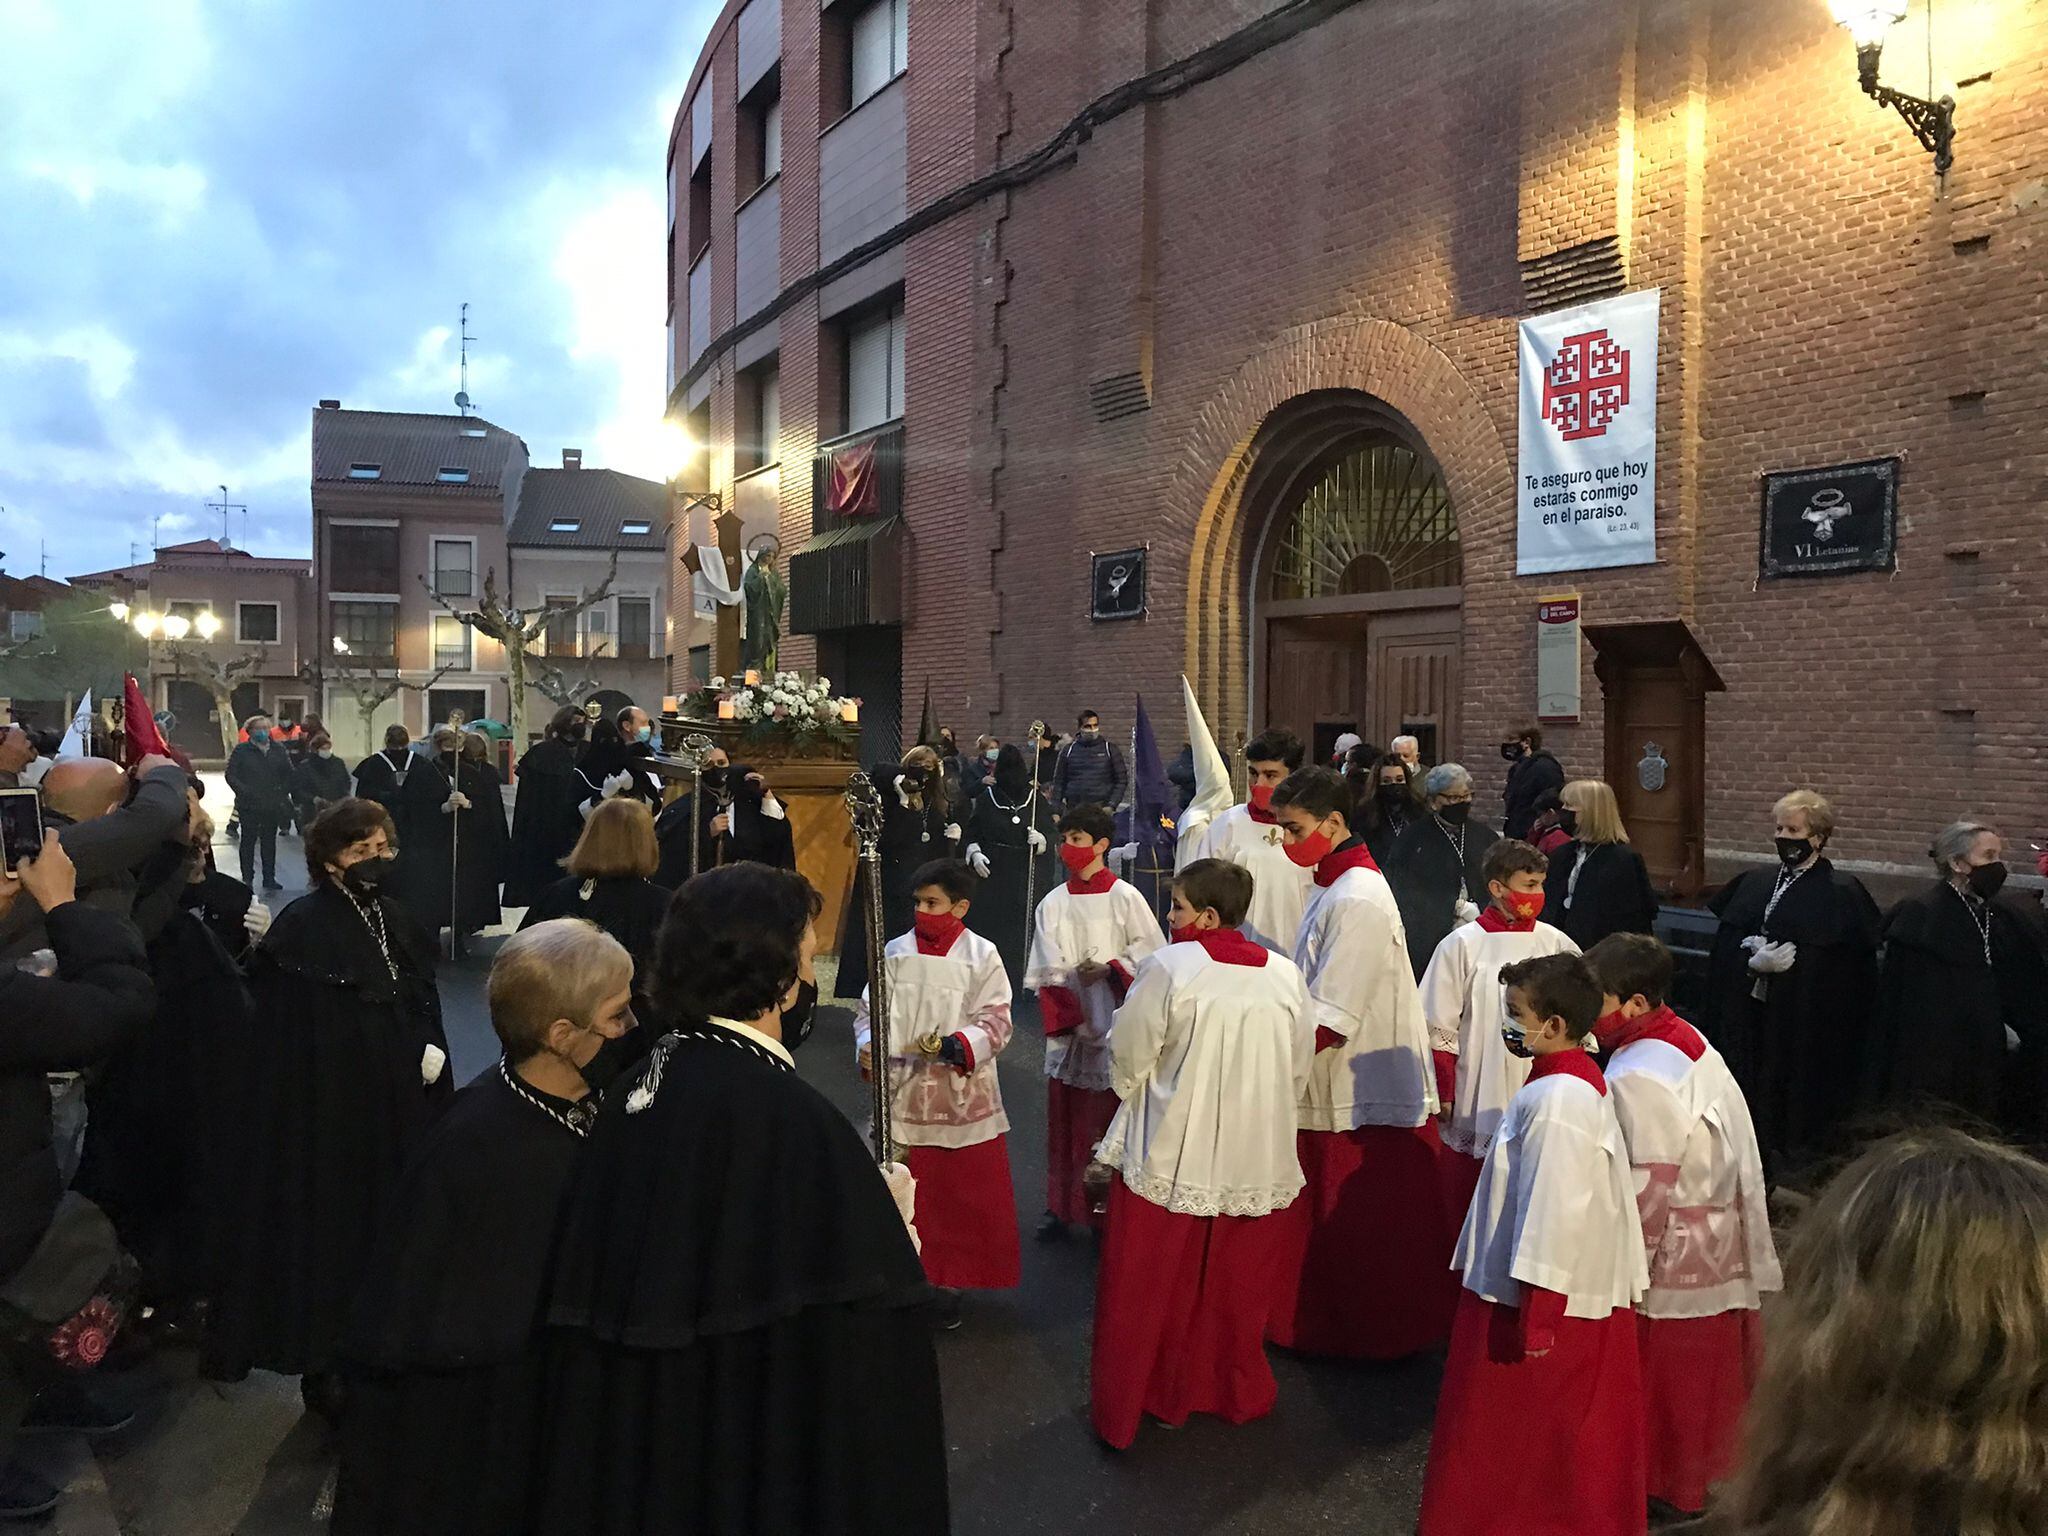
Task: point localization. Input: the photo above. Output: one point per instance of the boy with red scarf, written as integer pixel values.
(1365, 1274)
(1212, 1048)
(1462, 999)
(1088, 936)
(1699, 1186)
(1249, 835)
(949, 1018)
(1539, 1421)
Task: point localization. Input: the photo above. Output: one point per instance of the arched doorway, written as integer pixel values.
(1356, 576)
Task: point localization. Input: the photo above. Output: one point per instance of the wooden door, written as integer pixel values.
(1316, 681)
(1415, 670)
(1654, 715)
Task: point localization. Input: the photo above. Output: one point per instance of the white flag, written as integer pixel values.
(77, 740)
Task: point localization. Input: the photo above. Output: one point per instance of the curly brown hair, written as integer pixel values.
(341, 826)
(1906, 1383)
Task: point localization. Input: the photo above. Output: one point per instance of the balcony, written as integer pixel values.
(850, 573)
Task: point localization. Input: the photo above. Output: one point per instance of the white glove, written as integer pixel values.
(977, 860)
(1465, 912)
(1037, 840)
(904, 1188)
(455, 802)
(256, 920)
(2012, 1038)
(620, 783)
(433, 1061)
(1119, 857)
(952, 831)
(1772, 959)
(902, 794)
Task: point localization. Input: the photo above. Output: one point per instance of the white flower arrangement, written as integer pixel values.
(786, 707)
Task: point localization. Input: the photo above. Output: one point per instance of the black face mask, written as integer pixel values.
(797, 1018)
(611, 1060)
(1794, 851)
(1456, 813)
(1987, 880)
(365, 876)
(1392, 795)
(1511, 751)
(714, 778)
(1568, 823)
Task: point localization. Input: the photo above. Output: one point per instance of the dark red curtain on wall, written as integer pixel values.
(854, 487)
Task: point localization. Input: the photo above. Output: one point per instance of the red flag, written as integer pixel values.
(854, 486)
(140, 728)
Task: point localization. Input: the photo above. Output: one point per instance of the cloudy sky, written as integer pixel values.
(221, 211)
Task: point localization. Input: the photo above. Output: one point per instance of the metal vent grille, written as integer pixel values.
(1577, 274)
(1119, 395)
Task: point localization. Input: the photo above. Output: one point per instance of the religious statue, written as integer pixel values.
(765, 593)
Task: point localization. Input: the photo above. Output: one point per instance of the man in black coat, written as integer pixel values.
(260, 778)
(740, 820)
(1531, 771)
(1091, 770)
(65, 1023)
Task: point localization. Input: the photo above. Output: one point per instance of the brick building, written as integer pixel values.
(1238, 283)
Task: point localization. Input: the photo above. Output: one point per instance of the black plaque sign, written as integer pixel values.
(1119, 587)
(1821, 522)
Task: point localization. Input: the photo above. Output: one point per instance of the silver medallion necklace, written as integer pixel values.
(1981, 923)
(373, 919)
(576, 1120)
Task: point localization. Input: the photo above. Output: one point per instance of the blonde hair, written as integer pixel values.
(934, 792)
(1599, 812)
(1906, 1385)
(1820, 815)
(617, 839)
(560, 969)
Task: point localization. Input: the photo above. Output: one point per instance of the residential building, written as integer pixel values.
(569, 524)
(1237, 290)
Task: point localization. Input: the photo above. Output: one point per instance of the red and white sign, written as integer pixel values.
(1586, 481)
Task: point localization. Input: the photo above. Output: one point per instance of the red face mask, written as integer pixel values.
(937, 929)
(1189, 934)
(1076, 859)
(1610, 1026)
(1525, 906)
(1311, 850)
(1262, 796)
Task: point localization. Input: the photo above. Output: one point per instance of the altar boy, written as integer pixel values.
(949, 1018)
(1089, 935)
(1211, 1047)
(1463, 1000)
(1539, 1422)
(1249, 835)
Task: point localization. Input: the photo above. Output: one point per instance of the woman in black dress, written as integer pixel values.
(1790, 986)
(1005, 830)
(607, 882)
(1437, 871)
(452, 836)
(319, 779)
(1597, 884)
(545, 822)
(917, 827)
(336, 1086)
(1388, 801)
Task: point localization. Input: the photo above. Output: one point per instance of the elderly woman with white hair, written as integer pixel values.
(1951, 1002)
(1437, 864)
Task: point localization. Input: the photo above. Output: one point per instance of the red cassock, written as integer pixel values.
(1550, 1446)
(1075, 1120)
(1180, 1316)
(966, 1215)
(1364, 1271)
(1697, 1376)
(1458, 1175)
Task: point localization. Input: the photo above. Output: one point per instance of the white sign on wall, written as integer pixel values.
(1557, 657)
(1586, 481)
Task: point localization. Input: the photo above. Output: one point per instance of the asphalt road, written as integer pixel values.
(1343, 1451)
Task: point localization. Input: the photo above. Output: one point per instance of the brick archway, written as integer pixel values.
(1393, 364)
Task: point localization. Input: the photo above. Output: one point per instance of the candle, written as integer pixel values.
(849, 711)
(669, 704)
(727, 710)
(753, 678)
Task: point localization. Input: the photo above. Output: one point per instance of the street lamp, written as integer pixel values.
(689, 468)
(208, 624)
(1933, 122)
(145, 624)
(340, 646)
(176, 626)
(119, 611)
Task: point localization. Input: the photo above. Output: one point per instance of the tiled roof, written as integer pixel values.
(598, 501)
(411, 449)
(202, 553)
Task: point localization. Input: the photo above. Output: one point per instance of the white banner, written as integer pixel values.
(1586, 483)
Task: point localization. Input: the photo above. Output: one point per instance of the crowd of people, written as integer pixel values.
(1386, 1081)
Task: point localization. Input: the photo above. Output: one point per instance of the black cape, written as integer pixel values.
(332, 1103)
(1613, 894)
(911, 838)
(545, 819)
(1800, 1052)
(317, 782)
(751, 835)
(445, 1397)
(1000, 912)
(737, 1340)
(1939, 1027)
(602, 759)
(1529, 778)
(377, 776)
(1428, 880)
(436, 848)
(628, 909)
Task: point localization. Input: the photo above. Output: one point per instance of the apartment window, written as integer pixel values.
(636, 525)
(362, 559)
(877, 45)
(874, 368)
(597, 631)
(474, 432)
(451, 642)
(451, 475)
(186, 608)
(758, 404)
(369, 630)
(700, 210)
(760, 143)
(566, 525)
(365, 471)
(560, 639)
(24, 626)
(455, 567)
(636, 628)
(700, 666)
(256, 623)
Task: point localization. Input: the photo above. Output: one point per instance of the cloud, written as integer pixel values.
(237, 207)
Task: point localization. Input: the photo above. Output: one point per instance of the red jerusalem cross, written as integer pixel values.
(1586, 385)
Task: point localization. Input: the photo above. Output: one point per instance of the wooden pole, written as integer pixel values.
(726, 528)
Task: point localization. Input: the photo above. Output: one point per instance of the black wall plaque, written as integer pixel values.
(1822, 522)
(1119, 587)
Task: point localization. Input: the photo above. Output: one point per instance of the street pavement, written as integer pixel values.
(1342, 1452)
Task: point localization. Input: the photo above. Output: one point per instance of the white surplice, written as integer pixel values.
(963, 992)
(1280, 887)
(1465, 1004)
(1116, 927)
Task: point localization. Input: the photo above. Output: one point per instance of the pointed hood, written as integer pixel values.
(1213, 792)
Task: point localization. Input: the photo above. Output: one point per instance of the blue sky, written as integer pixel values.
(221, 211)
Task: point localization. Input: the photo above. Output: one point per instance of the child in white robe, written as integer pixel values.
(1212, 1048)
(1249, 835)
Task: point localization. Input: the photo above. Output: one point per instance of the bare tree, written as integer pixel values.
(517, 630)
(219, 676)
(367, 687)
(554, 682)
